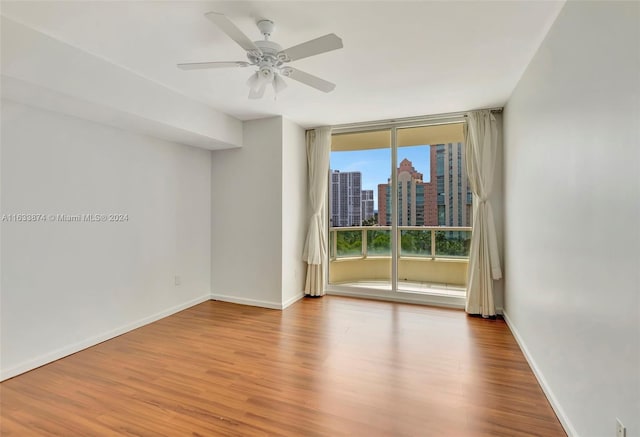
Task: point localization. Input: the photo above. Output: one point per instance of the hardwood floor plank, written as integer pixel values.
(322, 367)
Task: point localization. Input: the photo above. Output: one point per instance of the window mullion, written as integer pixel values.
(394, 210)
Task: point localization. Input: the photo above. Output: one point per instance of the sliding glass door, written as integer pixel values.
(400, 210)
(359, 245)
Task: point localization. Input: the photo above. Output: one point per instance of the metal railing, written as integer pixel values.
(413, 241)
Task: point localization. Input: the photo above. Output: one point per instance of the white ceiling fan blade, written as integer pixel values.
(309, 79)
(204, 65)
(278, 83)
(314, 47)
(232, 31)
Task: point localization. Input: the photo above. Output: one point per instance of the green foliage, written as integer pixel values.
(453, 243)
(415, 242)
(412, 243)
(349, 243)
(379, 242)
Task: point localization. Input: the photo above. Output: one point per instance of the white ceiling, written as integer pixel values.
(399, 58)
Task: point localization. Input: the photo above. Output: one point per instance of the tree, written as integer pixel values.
(453, 243)
(372, 221)
(349, 242)
(380, 241)
(416, 242)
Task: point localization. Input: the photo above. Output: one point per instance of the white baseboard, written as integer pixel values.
(557, 408)
(414, 298)
(247, 301)
(256, 302)
(291, 301)
(76, 347)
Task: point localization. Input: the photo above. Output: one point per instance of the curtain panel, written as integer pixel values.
(481, 144)
(315, 248)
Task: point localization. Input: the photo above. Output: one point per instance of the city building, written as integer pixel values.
(345, 198)
(367, 202)
(415, 198)
(447, 202)
(454, 197)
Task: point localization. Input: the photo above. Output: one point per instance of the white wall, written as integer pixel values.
(36, 71)
(246, 217)
(258, 219)
(295, 212)
(572, 198)
(66, 286)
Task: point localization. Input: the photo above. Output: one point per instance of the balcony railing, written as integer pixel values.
(413, 241)
(429, 257)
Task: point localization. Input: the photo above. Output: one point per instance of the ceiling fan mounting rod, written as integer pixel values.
(266, 28)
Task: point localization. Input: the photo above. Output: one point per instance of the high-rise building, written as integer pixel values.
(444, 201)
(367, 204)
(345, 198)
(454, 197)
(416, 199)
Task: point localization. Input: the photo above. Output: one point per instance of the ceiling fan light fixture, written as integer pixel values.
(257, 91)
(253, 80)
(266, 71)
(278, 83)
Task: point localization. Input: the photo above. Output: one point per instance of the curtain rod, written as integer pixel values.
(435, 118)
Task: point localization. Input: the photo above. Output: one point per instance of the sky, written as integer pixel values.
(375, 164)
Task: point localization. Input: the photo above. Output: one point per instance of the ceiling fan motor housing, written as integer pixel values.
(269, 54)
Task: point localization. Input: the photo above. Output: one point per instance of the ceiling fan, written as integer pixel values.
(269, 57)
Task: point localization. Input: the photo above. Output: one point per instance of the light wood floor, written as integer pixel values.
(323, 367)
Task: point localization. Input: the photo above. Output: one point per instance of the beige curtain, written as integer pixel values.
(481, 144)
(315, 248)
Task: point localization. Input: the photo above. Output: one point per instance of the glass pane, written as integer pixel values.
(378, 242)
(453, 243)
(360, 163)
(349, 243)
(433, 191)
(332, 252)
(415, 243)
